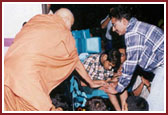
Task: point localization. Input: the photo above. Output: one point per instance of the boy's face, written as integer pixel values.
(123, 55)
(106, 64)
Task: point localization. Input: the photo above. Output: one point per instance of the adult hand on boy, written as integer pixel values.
(110, 88)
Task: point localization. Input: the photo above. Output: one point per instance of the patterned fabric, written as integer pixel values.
(145, 47)
(94, 68)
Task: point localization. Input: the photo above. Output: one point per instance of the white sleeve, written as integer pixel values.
(104, 19)
(137, 83)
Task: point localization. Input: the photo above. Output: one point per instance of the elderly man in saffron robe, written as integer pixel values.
(42, 56)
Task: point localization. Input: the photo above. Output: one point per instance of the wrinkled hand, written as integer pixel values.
(109, 88)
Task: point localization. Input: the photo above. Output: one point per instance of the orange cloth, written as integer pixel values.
(42, 56)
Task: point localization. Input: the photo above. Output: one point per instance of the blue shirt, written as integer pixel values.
(145, 47)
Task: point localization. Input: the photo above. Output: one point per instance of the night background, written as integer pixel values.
(90, 15)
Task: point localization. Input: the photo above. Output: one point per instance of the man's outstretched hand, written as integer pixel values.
(110, 88)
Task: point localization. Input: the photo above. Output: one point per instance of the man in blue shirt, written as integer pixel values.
(144, 47)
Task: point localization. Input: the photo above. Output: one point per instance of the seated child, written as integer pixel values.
(101, 68)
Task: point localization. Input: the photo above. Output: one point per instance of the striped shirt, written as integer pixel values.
(95, 69)
(145, 47)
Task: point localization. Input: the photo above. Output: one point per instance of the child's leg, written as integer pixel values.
(114, 101)
(123, 98)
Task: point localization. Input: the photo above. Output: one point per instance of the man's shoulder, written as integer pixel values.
(140, 28)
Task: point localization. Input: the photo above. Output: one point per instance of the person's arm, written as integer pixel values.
(149, 87)
(146, 83)
(105, 22)
(138, 90)
(81, 70)
(113, 99)
(134, 50)
(123, 98)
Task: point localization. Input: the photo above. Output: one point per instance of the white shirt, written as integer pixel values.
(109, 25)
(145, 91)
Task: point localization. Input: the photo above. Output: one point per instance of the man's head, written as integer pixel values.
(120, 17)
(111, 59)
(67, 16)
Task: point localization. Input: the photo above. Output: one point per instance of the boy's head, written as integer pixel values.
(111, 59)
(96, 104)
(136, 103)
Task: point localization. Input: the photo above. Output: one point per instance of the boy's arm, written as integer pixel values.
(138, 90)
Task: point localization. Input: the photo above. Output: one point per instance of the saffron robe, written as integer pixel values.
(42, 56)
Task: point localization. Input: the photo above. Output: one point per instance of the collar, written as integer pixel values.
(131, 24)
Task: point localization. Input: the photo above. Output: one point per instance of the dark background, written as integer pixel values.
(90, 15)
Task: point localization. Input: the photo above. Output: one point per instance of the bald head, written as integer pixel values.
(67, 16)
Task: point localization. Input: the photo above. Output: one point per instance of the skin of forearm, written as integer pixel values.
(104, 24)
(81, 70)
(138, 90)
(123, 97)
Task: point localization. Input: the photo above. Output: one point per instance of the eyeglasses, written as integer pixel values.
(114, 24)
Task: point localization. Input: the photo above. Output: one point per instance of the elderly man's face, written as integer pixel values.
(119, 26)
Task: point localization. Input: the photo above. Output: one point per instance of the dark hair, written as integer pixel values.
(121, 12)
(60, 101)
(136, 103)
(114, 56)
(96, 104)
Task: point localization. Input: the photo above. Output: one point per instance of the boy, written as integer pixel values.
(101, 68)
